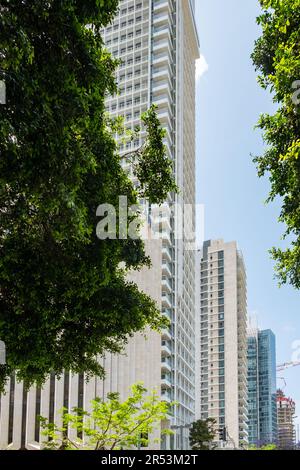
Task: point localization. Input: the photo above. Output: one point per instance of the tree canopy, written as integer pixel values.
(264, 447)
(277, 58)
(111, 424)
(63, 296)
(202, 434)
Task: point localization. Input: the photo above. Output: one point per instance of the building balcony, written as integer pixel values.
(166, 383)
(161, 33)
(162, 59)
(166, 268)
(243, 417)
(160, 86)
(166, 365)
(166, 237)
(161, 20)
(166, 334)
(166, 300)
(167, 313)
(163, 221)
(243, 404)
(166, 285)
(243, 432)
(163, 103)
(166, 396)
(243, 394)
(165, 118)
(162, 73)
(161, 5)
(166, 253)
(242, 375)
(166, 349)
(163, 45)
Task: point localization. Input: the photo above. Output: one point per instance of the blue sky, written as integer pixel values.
(229, 102)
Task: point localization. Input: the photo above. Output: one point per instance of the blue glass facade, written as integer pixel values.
(253, 390)
(262, 424)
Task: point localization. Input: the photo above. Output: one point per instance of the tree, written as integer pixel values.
(276, 57)
(264, 447)
(202, 434)
(64, 297)
(111, 425)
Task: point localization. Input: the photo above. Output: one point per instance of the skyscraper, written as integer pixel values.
(262, 412)
(158, 44)
(286, 427)
(253, 388)
(221, 385)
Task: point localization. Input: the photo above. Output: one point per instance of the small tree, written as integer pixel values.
(111, 425)
(202, 433)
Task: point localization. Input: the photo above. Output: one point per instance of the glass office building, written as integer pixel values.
(262, 413)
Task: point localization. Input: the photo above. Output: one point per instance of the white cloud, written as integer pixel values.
(201, 67)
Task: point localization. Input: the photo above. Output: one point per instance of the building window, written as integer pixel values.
(37, 414)
(52, 398)
(24, 418)
(11, 408)
(80, 398)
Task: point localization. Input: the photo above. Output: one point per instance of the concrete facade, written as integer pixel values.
(158, 45)
(221, 377)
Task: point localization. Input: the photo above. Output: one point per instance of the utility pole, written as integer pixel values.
(225, 436)
(181, 428)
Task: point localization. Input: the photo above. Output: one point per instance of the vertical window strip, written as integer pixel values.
(11, 408)
(80, 397)
(52, 398)
(24, 417)
(37, 414)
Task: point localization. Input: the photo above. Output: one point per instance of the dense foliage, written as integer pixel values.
(202, 434)
(277, 58)
(111, 424)
(63, 296)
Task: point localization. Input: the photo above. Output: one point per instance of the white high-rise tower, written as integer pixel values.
(221, 385)
(158, 44)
